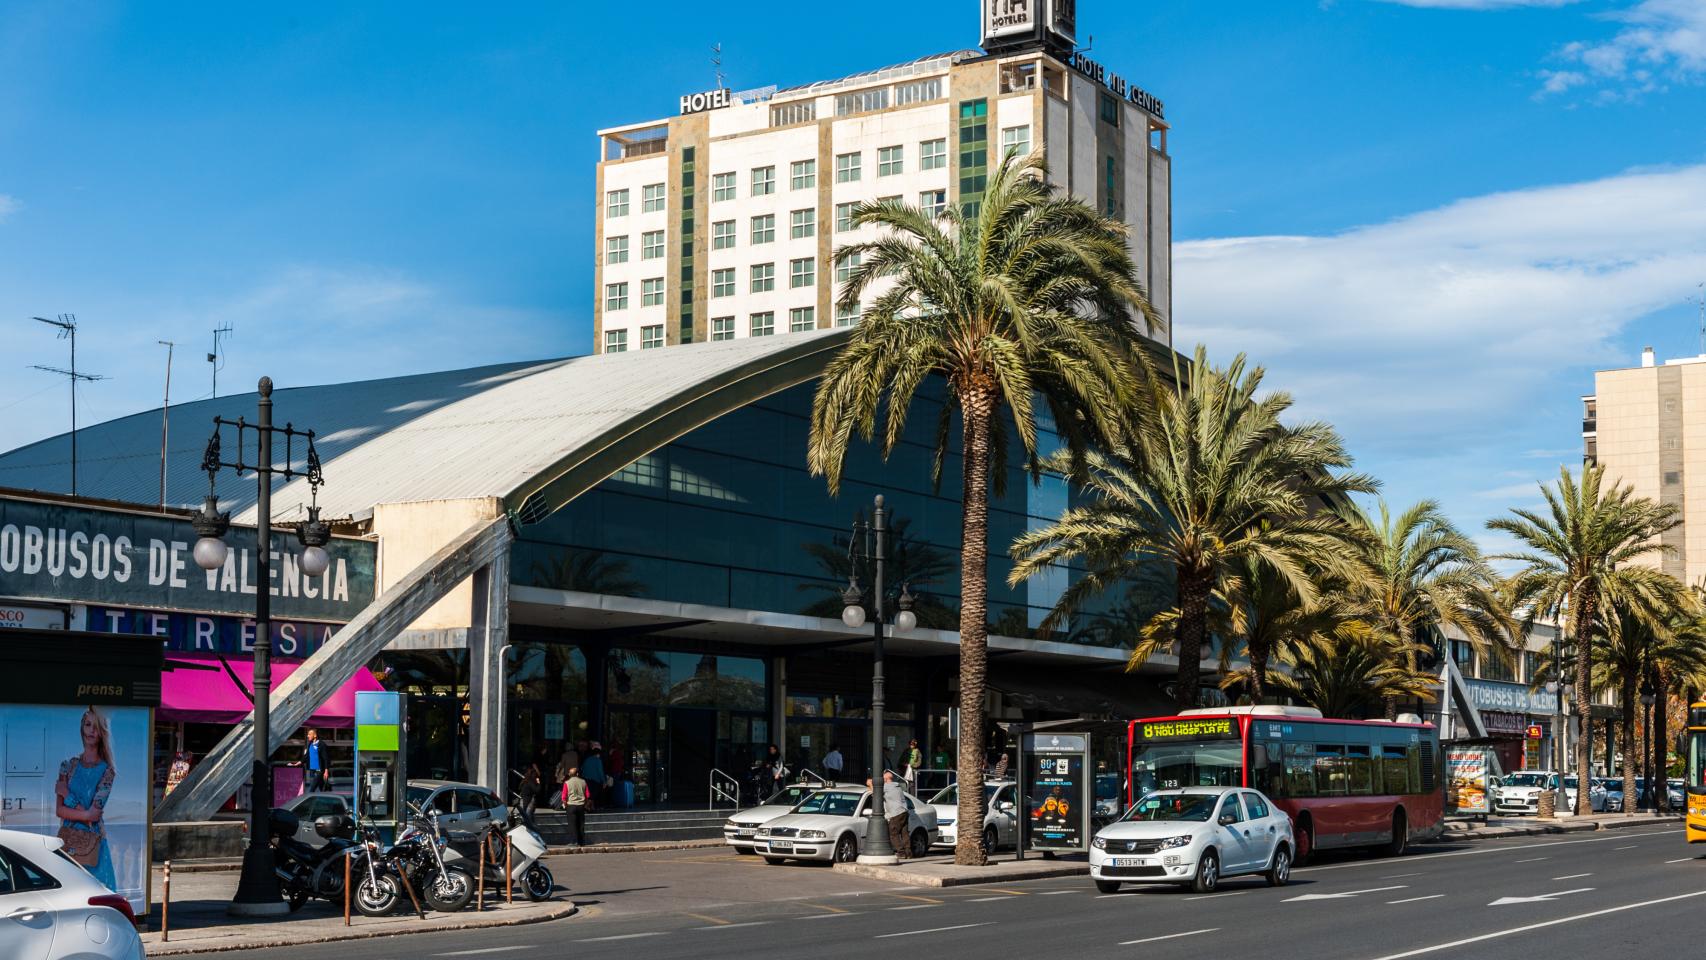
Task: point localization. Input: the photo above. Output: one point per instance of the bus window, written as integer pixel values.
(1395, 766)
(1170, 765)
(1300, 769)
(1330, 779)
(1266, 769)
(1358, 771)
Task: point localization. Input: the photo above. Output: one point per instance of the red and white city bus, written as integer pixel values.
(1345, 783)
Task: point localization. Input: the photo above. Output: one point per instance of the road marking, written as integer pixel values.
(625, 936)
(730, 926)
(904, 896)
(708, 919)
(986, 899)
(471, 953)
(916, 906)
(1342, 896)
(1217, 896)
(1683, 860)
(1107, 895)
(1532, 860)
(1538, 926)
(1168, 936)
(1542, 898)
(825, 906)
(828, 916)
(1415, 857)
(1056, 893)
(1398, 876)
(1629, 847)
(1016, 893)
(1573, 876)
(1431, 896)
(914, 933)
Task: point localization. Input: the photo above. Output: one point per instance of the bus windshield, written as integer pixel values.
(1697, 761)
(1171, 765)
(1194, 807)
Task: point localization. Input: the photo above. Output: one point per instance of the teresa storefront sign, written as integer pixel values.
(53, 551)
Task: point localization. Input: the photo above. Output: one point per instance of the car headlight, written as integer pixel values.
(1100, 843)
(1180, 841)
(762, 832)
(813, 835)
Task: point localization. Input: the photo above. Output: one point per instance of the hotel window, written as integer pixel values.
(802, 174)
(933, 202)
(844, 266)
(651, 245)
(722, 328)
(861, 102)
(846, 316)
(974, 154)
(762, 324)
(802, 224)
(802, 273)
(1110, 110)
(1016, 141)
(801, 319)
(651, 292)
(933, 155)
(723, 283)
(763, 181)
(615, 204)
(890, 161)
(615, 250)
(918, 91)
(722, 235)
(615, 341)
(843, 217)
(764, 228)
(651, 337)
(615, 296)
(800, 111)
(651, 198)
(847, 167)
(722, 186)
(763, 279)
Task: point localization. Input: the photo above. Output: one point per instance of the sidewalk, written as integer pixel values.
(941, 871)
(1533, 826)
(199, 923)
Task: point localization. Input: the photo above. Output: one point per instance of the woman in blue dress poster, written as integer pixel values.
(85, 783)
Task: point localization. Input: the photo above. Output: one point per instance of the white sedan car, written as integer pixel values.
(52, 909)
(740, 829)
(1194, 837)
(830, 825)
(1000, 816)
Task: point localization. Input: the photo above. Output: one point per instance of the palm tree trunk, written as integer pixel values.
(1661, 748)
(1258, 672)
(1587, 607)
(1193, 590)
(974, 637)
(1626, 702)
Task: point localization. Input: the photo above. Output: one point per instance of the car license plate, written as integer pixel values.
(1130, 862)
(744, 833)
(781, 848)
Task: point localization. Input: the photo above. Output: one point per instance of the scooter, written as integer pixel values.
(525, 848)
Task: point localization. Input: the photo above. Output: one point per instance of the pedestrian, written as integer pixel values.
(576, 801)
(592, 771)
(570, 760)
(528, 793)
(832, 763)
(1001, 766)
(314, 758)
(941, 760)
(911, 760)
(775, 770)
(895, 812)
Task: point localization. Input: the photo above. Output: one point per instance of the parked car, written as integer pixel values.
(1596, 794)
(462, 807)
(310, 807)
(739, 830)
(52, 909)
(1000, 815)
(1613, 788)
(1193, 837)
(1518, 794)
(830, 825)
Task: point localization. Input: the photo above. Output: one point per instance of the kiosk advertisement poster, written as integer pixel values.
(1466, 772)
(80, 773)
(1057, 791)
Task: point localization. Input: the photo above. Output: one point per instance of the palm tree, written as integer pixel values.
(1267, 615)
(1628, 652)
(1023, 296)
(1348, 671)
(909, 561)
(1211, 481)
(1421, 575)
(1578, 559)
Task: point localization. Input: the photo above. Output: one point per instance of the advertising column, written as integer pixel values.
(1056, 786)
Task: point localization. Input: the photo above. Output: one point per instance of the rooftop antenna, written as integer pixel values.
(223, 330)
(67, 324)
(1699, 302)
(717, 64)
(165, 413)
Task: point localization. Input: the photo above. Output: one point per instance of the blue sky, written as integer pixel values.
(1432, 219)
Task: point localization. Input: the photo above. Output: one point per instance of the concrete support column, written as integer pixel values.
(487, 638)
(779, 705)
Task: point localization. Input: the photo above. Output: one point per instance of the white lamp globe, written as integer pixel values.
(315, 560)
(853, 615)
(905, 620)
(210, 553)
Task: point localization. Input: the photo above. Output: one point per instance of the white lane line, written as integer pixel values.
(1431, 896)
(625, 936)
(1217, 896)
(989, 899)
(1538, 926)
(1683, 860)
(1342, 896)
(1417, 857)
(1107, 895)
(731, 926)
(917, 906)
(1532, 860)
(1629, 847)
(474, 953)
(1573, 876)
(828, 916)
(914, 933)
(1398, 876)
(1055, 893)
(1169, 936)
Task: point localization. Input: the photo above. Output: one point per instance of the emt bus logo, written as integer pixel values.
(1178, 729)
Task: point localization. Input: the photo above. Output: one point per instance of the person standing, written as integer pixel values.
(911, 760)
(85, 783)
(592, 771)
(314, 758)
(832, 763)
(528, 793)
(775, 771)
(897, 816)
(576, 800)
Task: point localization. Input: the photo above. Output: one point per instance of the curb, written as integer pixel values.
(202, 866)
(170, 949)
(1542, 829)
(633, 847)
(995, 875)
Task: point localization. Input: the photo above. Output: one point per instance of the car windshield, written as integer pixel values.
(1194, 807)
(1526, 780)
(417, 795)
(951, 794)
(831, 802)
(788, 796)
(1570, 783)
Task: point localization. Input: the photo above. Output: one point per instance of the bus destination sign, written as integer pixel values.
(1218, 729)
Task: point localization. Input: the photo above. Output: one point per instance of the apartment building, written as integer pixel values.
(723, 221)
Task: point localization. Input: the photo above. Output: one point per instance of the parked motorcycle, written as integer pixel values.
(304, 871)
(416, 858)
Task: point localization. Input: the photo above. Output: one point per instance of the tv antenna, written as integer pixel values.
(223, 330)
(67, 324)
(1699, 301)
(165, 414)
(717, 64)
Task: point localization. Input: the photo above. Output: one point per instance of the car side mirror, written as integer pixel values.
(1005, 806)
(1228, 819)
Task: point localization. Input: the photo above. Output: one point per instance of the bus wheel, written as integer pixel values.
(1305, 836)
(1400, 834)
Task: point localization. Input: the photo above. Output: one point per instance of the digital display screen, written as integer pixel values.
(1057, 792)
(1220, 728)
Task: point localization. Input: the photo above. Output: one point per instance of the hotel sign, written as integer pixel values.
(708, 100)
(1013, 22)
(1144, 100)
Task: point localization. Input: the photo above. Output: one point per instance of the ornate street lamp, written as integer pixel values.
(877, 848)
(257, 888)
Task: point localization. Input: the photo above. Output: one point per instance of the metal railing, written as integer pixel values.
(723, 787)
(930, 782)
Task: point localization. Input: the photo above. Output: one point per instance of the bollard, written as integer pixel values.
(480, 897)
(166, 904)
(409, 888)
(346, 888)
(509, 881)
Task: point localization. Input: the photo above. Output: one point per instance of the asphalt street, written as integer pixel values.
(1575, 896)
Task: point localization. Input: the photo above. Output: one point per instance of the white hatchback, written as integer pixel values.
(52, 909)
(1194, 837)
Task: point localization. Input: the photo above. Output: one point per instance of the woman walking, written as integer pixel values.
(528, 793)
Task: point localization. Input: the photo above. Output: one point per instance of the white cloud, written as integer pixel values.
(1661, 42)
(8, 205)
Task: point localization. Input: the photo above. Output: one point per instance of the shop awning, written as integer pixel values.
(201, 690)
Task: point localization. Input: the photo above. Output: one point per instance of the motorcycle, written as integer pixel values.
(422, 845)
(526, 847)
(413, 863)
(304, 871)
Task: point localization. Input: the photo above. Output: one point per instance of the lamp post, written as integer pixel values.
(1647, 699)
(257, 887)
(877, 848)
